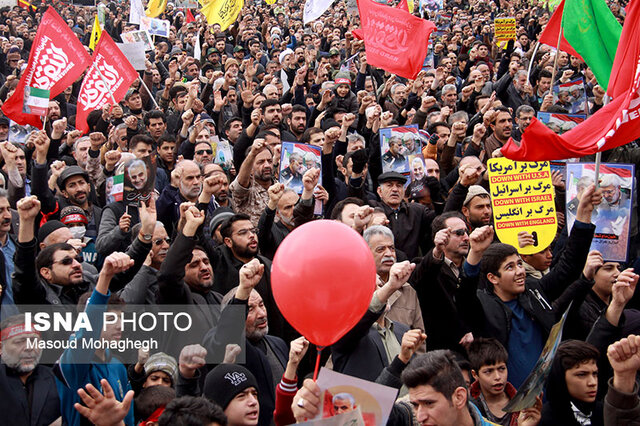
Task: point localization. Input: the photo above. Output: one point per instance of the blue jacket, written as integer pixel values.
(77, 367)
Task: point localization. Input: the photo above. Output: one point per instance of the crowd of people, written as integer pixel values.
(458, 319)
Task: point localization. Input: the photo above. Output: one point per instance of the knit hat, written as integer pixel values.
(162, 362)
(219, 215)
(73, 214)
(329, 123)
(342, 77)
(48, 228)
(474, 191)
(229, 62)
(226, 381)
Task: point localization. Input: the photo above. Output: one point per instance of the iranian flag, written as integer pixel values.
(36, 101)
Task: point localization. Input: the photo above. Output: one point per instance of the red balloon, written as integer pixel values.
(323, 278)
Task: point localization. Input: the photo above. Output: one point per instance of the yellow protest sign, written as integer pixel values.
(522, 200)
(505, 29)
(223, 12)
(270, 1)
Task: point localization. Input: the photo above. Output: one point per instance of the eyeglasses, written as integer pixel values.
(244, 232)
(460, 232)
(159, 241)
(69, 260)
(202, 151)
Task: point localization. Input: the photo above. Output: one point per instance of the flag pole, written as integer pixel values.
(113, 99)
(605, 101)
(533, 57)
(148, 91)
(555, 60)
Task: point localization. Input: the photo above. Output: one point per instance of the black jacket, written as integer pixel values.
(15, 405)
(271, 234)
(437, 288)
(361, 353)
(411, 226)
(256, 359)
(539, 293)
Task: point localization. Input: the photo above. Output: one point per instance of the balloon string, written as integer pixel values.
(315, 372)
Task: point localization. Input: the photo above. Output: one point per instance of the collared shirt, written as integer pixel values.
(389, 340)
(8, 250)
(452, 266)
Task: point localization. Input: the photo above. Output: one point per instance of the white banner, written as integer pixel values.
(135, 54)
(136, 12)
(313, 9)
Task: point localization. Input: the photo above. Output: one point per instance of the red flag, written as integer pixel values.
(394, 39)
(613, 125)
(56, 60)
(118, 74)
(190, 17)
(358, 33)
(403, 5)
(550, 34)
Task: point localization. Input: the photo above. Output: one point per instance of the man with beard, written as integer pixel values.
(143, 288)
(266, 355)
(513, 89)
(73, 183)
(501, 124)
(298, 121)
(249, 189)
(393, 159)
(291, 174)
(186, 185)
(29, 394)
(477, 207)
(222, 194)
(436, 280)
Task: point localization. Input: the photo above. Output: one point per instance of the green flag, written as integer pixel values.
(593, 31)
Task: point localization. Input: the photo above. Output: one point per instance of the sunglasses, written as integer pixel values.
(202, 151)
(460, 232)
(69, 260)
(159, 241)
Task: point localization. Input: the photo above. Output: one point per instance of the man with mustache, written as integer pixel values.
(74, 184)
(436, 280)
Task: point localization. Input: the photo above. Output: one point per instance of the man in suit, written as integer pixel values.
(374, 342)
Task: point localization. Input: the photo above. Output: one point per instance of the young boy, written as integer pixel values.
(491, 391)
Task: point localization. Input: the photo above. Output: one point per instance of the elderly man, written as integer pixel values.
(403, 305)
(616, 208)
(187, 185)
(29, 389)
(137, 172)
(393, 159)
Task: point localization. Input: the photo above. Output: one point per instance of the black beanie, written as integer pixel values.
(225, 381)
(49, 227)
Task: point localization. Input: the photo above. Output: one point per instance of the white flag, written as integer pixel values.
(197, 50)
(313, 9)
(136, 12)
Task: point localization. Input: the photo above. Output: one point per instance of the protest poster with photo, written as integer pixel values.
(36, 101)
(430, 5)
(571, 96)
(139, 179)
(522, 199)
(295, 160)
(114, 188)
(342, 393)
(396, 145)
(224, 155)
(613, 216)
(158, 27)
(534, 383)
(560, 123)
(505, 29)
(137, 37)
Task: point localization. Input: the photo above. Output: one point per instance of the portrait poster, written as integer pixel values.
(137, 37)
(522, 199)
(613, 216)
(342, 394)
(224, 155)
(295, 160)
(396, 145)
(571, 96)
(139, 179)
(158, 27)
(114, 188)
(560, 123)
(534, 383)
